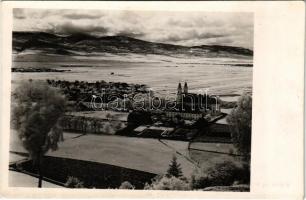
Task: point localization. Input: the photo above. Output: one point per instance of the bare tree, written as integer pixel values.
(37, 109)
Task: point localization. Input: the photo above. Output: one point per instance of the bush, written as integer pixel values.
(222, 174)
(168, 183)
(73, 182)
(199, 181)
(126, 185)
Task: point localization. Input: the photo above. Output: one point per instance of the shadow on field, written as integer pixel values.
(92, 174)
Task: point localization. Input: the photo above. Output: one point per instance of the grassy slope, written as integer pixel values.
(137, 153)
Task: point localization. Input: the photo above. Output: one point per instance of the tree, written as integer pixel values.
(240, 121)
(174, 168)
(36, 112)
(224, 173)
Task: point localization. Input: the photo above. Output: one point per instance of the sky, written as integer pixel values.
(181, 28)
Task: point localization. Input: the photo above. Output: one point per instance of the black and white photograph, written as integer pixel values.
(131, 99)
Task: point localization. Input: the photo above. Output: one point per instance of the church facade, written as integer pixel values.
(198, 103)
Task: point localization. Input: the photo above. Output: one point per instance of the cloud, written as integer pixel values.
(187, 35)
(70, 28)
(80, 16)
(184, 28)
(18, 13)
(131, 33)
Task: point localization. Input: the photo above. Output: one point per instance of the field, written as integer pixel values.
(145, 154)
(213, 147)
(160, 73)
(209, 159)
(207, 154)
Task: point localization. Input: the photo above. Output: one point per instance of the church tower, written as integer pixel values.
(185, 88)
(179, 93)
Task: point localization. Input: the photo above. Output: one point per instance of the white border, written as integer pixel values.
(278, 85)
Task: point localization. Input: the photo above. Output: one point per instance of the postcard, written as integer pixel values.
(152, 99)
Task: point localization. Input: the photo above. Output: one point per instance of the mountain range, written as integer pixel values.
(83, 44)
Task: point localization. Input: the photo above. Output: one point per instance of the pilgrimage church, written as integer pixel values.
(196, 102)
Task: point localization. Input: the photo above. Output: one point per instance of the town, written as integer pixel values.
(134, 112)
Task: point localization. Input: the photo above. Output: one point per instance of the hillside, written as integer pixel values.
(81, 44)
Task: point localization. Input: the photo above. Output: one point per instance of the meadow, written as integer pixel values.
(145, 154)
